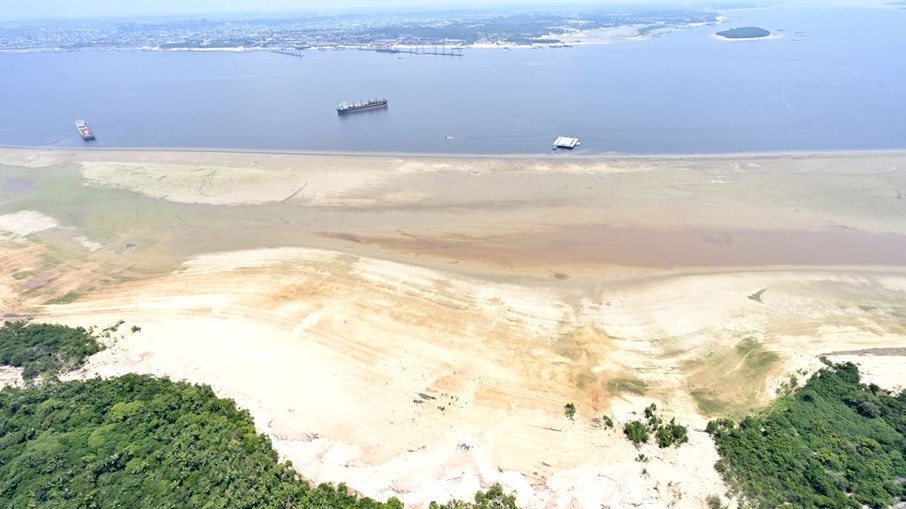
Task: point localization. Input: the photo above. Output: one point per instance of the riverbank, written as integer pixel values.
(413, 325)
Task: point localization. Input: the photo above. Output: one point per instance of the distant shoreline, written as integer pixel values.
(597, 36)
(791, 154)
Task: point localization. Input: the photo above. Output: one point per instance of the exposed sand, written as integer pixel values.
(10, 377)
(25, 222)
(413, 326)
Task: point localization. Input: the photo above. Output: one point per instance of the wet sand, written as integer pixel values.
(603, 245)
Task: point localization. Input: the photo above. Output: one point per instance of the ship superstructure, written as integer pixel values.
(84, 131)
(370, 104)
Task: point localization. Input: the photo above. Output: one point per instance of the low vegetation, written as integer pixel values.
(636, 432)
(626, 385)
(44, 350)
(493, 498)
(833, 442)
(715, 502)
(731, 381)
(671, 434)
(665, 434)
(570, 411)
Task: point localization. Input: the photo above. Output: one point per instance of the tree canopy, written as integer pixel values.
(666, 435)
(834, 442)
(139, 441)
(44, 349)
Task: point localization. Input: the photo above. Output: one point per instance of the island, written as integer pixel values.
(744, 33)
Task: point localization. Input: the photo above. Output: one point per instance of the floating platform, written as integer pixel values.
(566, 142)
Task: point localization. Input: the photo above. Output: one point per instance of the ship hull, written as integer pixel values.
(355, 108)
(363, 108)
(84, 131)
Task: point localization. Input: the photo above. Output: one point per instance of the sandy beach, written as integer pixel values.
(414, 325)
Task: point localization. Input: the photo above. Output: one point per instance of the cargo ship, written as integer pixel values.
(370, 104)
(84, 131)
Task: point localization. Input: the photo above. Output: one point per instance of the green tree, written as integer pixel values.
(680, 433)
(140, 441)
(45, 350)
(570, 411)
(651, 415)
(493, 498)
(636, 432)
(831, 443)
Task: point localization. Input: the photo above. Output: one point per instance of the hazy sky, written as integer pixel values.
(34, 9)
(27, 9)
(19, 9)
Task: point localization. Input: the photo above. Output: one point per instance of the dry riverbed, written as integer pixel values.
(413, 326)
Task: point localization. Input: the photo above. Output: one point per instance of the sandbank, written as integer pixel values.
(414, 325)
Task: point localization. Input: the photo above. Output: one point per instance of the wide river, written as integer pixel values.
(833, 80)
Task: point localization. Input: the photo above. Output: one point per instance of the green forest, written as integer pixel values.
(141, 441)
(834, 442)
(44, 349)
